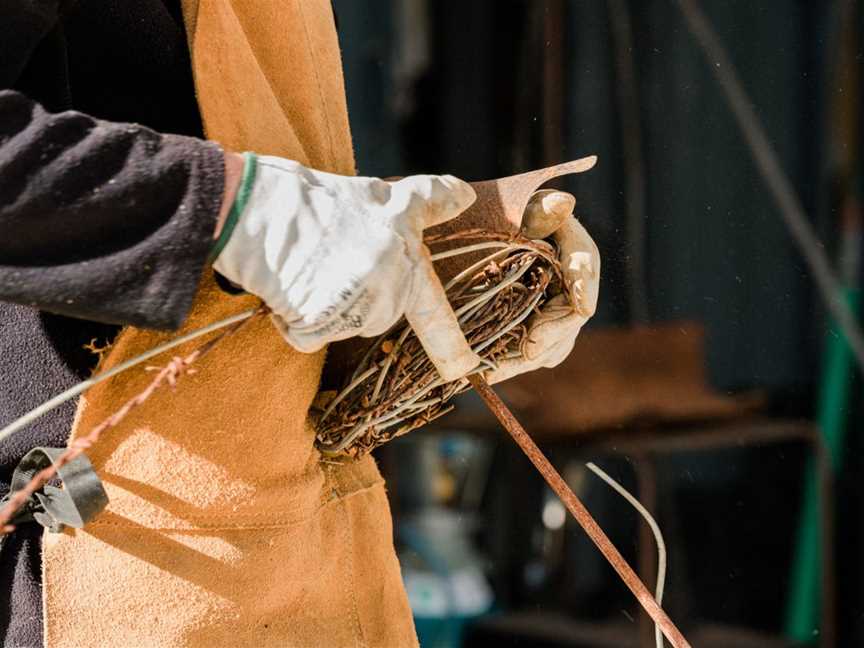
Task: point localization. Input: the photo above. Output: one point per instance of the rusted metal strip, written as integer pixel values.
(578, 510)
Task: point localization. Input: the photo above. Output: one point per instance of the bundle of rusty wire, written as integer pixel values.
(394, 387)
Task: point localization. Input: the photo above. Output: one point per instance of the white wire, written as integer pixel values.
(655, 529)
(83, 386)
(469, 248)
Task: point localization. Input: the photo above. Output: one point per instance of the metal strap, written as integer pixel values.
(79, 501)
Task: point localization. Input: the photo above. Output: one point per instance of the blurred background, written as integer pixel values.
(711, 382)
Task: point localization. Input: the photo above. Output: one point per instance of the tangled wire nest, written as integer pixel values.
(395, 387)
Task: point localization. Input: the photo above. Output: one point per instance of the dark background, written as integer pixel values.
(485, 88)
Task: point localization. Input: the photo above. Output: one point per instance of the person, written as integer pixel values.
(128, 216)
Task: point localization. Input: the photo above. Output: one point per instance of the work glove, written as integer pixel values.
(552, 331)
(333, 256)
(336, 256)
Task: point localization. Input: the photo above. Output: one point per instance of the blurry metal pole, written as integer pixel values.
(553, 81)
(772, 173)
(634, 165)
(645, 468)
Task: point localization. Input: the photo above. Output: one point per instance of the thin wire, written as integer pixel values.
(83, 386)
(772, 173)
(658, 538)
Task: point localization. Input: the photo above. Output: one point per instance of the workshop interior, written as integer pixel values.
(714, 382)
(424, 322)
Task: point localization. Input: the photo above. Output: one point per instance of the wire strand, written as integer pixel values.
(655, 529)
(83, 386)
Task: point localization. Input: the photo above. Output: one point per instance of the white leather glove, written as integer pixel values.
(552, 332)
(334, 256)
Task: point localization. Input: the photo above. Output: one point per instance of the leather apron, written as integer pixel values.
(224, 527)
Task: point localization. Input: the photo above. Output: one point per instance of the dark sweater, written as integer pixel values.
(104, 220)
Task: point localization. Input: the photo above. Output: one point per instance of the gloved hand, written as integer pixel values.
(333, 256)
(552, 332)
(336, 256)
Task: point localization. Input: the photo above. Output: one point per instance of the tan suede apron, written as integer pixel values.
(224, 529)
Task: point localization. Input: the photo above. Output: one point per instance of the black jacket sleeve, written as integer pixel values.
(103, 221)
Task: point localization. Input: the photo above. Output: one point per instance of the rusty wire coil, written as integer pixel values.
(395, 388)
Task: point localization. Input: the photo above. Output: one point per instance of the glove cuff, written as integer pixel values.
(244, 191)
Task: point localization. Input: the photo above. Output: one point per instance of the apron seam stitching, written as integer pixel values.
(360, 640)
(321, 99)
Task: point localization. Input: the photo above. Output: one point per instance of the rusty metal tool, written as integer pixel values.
(578, 510)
